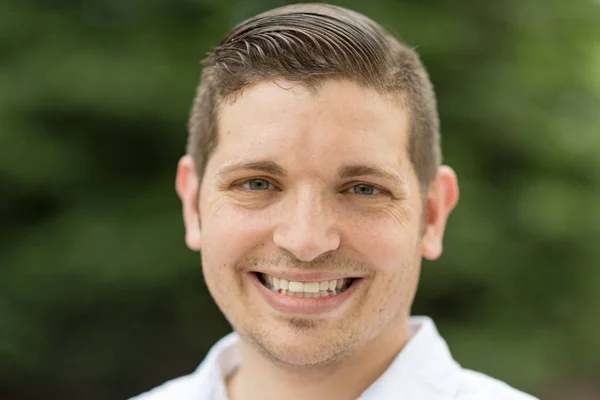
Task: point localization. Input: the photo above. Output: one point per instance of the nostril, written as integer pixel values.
(307, 240)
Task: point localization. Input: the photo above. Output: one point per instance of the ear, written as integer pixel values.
(441, 200)
(186, 184)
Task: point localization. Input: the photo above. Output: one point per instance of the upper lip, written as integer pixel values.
(307, 276)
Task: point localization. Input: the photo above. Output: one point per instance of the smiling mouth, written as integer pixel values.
(305, 289)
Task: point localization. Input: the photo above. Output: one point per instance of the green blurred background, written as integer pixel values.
(100, 298)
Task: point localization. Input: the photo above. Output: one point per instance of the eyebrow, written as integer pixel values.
(354, 170)
(344, 172)
(268, 167)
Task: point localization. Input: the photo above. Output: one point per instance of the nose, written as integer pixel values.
(307, 228)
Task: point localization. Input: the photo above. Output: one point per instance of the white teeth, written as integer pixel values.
(312, 287)
(296, 286)
(305, 289)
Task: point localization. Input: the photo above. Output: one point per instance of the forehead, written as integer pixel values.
(338, 121)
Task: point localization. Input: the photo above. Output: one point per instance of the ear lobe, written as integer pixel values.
(186, 185)
(441, 199)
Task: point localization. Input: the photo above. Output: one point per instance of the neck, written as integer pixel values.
(259, 377)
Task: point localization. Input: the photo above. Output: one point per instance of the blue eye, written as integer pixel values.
(257, 184)
(364, 190)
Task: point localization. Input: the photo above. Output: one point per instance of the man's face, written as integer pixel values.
(311, 188)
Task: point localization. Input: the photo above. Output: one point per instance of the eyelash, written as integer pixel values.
(247, 181)
(380, 191)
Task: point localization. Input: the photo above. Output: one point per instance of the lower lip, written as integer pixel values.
(305, 306)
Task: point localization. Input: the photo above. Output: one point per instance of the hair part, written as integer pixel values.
(310, 44)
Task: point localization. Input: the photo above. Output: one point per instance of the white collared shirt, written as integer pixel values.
(423, 370)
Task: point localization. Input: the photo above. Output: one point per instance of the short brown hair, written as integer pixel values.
(311, 43)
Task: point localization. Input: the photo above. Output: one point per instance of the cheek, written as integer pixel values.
(230, 233)
(392, 249)
(385, 243)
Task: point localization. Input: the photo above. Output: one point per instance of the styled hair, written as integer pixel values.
(310, 44)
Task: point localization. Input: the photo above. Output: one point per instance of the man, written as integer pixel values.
(313, 188)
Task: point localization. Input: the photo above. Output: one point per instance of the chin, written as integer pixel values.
(302, 355)
(302, 343)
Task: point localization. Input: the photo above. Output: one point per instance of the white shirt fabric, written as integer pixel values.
(423, 370)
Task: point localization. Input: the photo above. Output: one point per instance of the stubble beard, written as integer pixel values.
(346, 335)
(322, 355)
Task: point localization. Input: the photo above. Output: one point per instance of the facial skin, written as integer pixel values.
(272, 199)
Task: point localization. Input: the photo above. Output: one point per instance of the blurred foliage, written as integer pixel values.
(99, 297)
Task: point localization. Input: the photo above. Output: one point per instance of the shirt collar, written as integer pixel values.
(424, 369)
